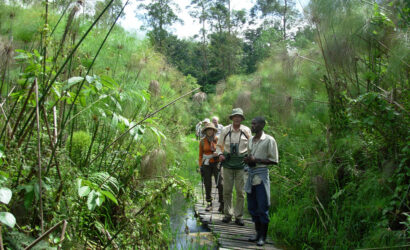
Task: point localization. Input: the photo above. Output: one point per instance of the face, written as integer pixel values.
(236, 119)
(209, 132)
(256, 126)
(215, 122)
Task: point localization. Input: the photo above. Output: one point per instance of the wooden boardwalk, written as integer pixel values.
(228, 235)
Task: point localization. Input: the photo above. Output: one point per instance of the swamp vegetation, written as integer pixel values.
(96, 123)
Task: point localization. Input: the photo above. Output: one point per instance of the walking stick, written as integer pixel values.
(217, 184)
(202, 178)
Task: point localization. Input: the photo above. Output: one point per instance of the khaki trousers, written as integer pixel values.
(231, 177)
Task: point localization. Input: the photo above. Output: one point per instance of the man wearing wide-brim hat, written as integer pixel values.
(232, 147)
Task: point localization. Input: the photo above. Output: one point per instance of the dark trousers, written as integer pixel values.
(258, 204)
(209, 171)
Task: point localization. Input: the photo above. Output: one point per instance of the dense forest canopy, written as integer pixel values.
(95, 139)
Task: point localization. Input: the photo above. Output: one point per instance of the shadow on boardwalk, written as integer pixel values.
(228, 235)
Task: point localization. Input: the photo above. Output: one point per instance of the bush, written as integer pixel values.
(78, 147)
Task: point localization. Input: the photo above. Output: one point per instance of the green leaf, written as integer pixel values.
(98, 85)
(5, 195)
(92, 200)
(89, 79)
(114, 121)
(100, 199)
(108, 82)
(7, 219)
(72, 81)
(75, 79)
(158, 133)
(84, 191)
(109, 195)
(83, 101)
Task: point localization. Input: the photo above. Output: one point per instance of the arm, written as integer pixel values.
(219, 146)
(264, 161)
(272, 157)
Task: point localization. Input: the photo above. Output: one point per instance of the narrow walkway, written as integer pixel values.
(229, 235)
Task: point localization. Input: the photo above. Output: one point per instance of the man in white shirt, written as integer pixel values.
(262, 152)
(232, 147)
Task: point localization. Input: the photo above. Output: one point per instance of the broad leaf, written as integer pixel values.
(5, 195)
(72, 81)
(84, 191)
(109, 195)
(91, 201)
(100, 199)
(89, 79)
(114, 121)
(7, 219)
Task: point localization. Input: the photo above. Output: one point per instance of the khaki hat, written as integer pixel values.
(237, 111)
(211, 126)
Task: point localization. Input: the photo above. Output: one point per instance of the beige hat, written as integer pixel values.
(237, 111)
(211, 126)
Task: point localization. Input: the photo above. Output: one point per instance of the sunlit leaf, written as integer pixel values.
(5, 195)
(114, 121)
(100, 199)
(84, 191)
(72, 81)
(89, 79)
(92, 200)
(7, 219)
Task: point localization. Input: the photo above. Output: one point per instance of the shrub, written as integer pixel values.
(77, 147)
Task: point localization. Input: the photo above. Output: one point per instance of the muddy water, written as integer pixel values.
(188, 233)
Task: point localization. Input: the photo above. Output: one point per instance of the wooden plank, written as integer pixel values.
(229, 235)
(234, 244)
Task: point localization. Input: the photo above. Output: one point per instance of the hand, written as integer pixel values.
(222, 158)
(215, 154)
(251, 161)
(246, 159)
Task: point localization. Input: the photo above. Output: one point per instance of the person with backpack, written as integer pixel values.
(215, 121)
(199, 126)
(208, 162)
(262, 152)
(232, 147)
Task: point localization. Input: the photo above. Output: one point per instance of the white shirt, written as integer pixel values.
(235, 137)
(264, 148)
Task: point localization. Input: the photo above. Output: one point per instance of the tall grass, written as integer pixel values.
(97, 81)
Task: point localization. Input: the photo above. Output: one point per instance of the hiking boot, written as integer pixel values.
(256, 236)
(262, 235)
(226, 219)
(239, 222)
(208, 207)
(221, 208)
